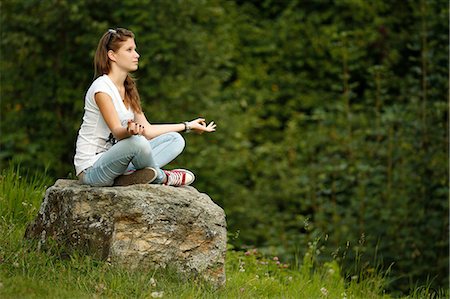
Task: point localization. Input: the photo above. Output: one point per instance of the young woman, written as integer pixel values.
(116, 144)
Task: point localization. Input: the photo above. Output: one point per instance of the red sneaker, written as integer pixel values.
(179, 177)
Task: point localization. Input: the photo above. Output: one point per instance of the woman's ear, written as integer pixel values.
(111, 55)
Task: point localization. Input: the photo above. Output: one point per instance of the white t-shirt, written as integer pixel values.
(94, 135)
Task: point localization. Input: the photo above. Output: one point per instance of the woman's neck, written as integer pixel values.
(118, 78)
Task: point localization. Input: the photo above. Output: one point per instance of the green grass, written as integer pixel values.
(21, 194)
(26, 272)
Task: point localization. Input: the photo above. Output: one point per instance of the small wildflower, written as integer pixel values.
(157, 294)
(324, 291)
(278, 263)
(331, 271)
(344, 295)
(257, 276)
(16, 264)
(241, 266)
(275, 258)
(153, 282)
(241, 290)
(354, 277)
(290, 278)
(247, 252)
(100, 288)
(306, 223)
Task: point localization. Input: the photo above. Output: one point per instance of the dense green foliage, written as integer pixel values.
(332, 115)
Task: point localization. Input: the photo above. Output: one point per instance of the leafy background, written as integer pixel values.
(332, 115)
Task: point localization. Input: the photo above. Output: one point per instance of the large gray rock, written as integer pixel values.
(139, 226)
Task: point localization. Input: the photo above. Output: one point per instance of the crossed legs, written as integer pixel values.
(133, 153)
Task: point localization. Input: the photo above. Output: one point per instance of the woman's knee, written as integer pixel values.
(178, 140)
(139, 144)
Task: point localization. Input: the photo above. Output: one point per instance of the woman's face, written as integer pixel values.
(126, 57)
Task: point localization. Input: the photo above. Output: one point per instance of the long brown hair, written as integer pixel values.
(112, 40)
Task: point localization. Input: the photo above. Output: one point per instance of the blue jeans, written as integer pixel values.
(135, 152)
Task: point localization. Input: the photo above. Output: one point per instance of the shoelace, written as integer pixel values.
(175, 177)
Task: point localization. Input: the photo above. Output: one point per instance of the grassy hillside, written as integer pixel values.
(26, 272)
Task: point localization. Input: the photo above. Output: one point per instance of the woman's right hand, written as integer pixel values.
(133, 128)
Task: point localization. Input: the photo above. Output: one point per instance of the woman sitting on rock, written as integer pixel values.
(116, 144)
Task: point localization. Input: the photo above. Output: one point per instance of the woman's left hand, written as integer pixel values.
(199, 125)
